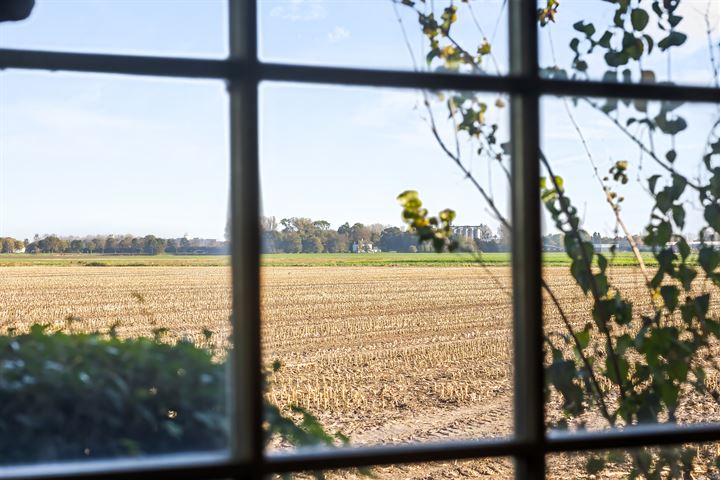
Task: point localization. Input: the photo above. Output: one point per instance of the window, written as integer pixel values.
(244, 73)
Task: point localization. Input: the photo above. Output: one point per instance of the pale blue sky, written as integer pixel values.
(83, 154)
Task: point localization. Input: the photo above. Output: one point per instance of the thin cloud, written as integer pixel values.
(300, 10)
(338, 34)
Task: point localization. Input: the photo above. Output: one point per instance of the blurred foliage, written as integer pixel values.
(89, 395)
(628, 365)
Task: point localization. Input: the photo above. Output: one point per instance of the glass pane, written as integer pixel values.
(639, 180)
(116, 285)
(193, 28)
(378, 337)
(495, 468)
(639, 41)
(466, 37)
(671, 462)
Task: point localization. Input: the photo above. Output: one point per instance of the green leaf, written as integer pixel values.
(595, 464)
(602, 262)
(709, 259)
(664, 201)
(583, 337)
(678, 212)
(674, 20)
(623, 343)
(639, 19)
(588, 29)
(670, 126)
(675, 39)
(683, 248)
(652, 181)
(616, 59)
(663, 233)
(622, 364)
(605, 39)
(670, 295)
(669, 394)
(678, 185)
(712, 216)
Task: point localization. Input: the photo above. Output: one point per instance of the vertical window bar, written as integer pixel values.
(526, 251)
(245, 386)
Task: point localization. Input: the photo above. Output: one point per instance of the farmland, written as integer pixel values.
(408, 352)
(385, 259)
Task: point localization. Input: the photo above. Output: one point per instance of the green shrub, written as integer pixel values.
(74, 396)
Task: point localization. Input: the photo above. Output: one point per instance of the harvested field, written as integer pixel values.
(382, 354)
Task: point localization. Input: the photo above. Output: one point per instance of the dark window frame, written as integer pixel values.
(243, 72)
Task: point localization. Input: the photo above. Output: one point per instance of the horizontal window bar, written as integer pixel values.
(645, 435)
(200, 68)
(178, 466)
(120, 64)
(209, 467)
(313, 459)
(651, 435)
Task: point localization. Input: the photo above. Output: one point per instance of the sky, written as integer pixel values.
(86, 154)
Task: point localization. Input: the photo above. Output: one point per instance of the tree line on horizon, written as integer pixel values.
(112, 244)
(289, 235)
(305, 235)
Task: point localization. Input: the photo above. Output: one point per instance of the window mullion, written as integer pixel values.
(245, 386)
(526, 251)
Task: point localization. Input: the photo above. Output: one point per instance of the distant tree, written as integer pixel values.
(291, 242)
(321, 224)
(268, 224)
(344, 229)
(110, 245)
(333, 242)
(76, 246)
(359, 232)
(312, 244)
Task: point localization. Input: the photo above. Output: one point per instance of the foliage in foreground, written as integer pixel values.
(629, 364)
(72, 396)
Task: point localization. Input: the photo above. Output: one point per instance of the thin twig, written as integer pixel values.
(642, 146)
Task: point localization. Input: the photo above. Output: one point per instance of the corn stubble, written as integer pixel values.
(382, 354)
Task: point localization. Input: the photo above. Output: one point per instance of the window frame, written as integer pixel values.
(243, 72)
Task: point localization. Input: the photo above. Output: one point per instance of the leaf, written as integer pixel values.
(605, 39)
(670, 295)
(622, 364)
(652, 181)
(583, 337)
(674, 20)
(616, 59)
(610, 76)
(670, 126)
(678, 212)
(602, 262)
(639, 19)
(678, 185)
(595, 464)
(588, 29)
(663, 233)
(664, 201)
(647, 76)
(675, 39)
(712, 216)
(683, 248)
(709, 259)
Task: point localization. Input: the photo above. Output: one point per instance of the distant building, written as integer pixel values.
(469, 232)
(363, 247)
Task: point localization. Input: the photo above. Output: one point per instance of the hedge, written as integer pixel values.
(66, 397)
